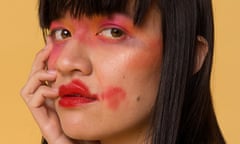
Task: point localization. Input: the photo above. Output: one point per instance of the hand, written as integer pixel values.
(37, 96)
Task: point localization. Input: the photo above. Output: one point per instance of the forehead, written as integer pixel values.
(50, 10)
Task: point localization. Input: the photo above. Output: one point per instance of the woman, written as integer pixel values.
(124, 71)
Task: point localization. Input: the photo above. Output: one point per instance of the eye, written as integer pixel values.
(60, 34)
(112, 33)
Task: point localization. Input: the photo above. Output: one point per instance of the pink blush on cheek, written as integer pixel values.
(114, 97)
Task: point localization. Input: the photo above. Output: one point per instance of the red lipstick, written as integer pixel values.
(75, 94)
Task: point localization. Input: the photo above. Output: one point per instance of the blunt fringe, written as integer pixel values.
(50, 10)
(183, 112)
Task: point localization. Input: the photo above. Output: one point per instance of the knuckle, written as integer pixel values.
(42, 91)
(23, 92)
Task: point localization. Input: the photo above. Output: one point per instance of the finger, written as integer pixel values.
(50, 103)
(42, 57)
(36, 80)
(42, 94)
(46, 118)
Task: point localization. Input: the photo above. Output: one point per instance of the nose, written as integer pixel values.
(73, 58)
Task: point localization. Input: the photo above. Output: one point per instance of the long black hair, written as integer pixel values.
(183, 112)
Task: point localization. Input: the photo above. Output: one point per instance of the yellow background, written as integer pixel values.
(20, 39)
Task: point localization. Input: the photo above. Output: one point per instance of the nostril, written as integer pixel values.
(83, 69)
(74, 65)
(76, 70)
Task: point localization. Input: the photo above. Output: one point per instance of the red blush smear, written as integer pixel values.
(54, 56)
(114, 96)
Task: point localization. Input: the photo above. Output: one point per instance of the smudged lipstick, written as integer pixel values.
(75, 94)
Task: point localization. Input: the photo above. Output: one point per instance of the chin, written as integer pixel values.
(80, 131)
(77, 134)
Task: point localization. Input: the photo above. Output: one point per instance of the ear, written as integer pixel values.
(201, 53)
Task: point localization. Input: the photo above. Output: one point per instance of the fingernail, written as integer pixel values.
(53, 72)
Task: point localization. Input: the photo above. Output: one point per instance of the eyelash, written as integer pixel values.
(57, 34)
(109, 33)
(112, 33)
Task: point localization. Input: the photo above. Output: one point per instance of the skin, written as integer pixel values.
(123, 70)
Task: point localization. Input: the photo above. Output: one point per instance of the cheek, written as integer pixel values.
(149, 58)
(114, 97)
(54, 56)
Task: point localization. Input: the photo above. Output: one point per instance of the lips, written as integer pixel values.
(75, 94)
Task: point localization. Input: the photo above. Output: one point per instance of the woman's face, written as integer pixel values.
(108, 73)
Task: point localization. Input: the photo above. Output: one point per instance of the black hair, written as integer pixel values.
(183, 112)
(50, 10)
